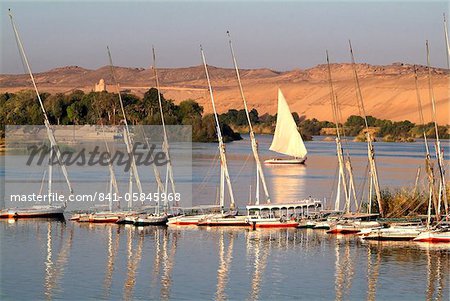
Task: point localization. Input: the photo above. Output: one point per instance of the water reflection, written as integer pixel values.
(113, 246)
(134, 255)
(436, 257)
(176, 263)
(286, 183)
(344, 267)
(55, 264)
(373, 267)
(225, 258)
(258, 248)
(437, 272)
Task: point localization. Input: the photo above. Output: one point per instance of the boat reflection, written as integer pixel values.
(258, 249)
(57, 239)
(225, 258)
(55, 264)
(373, 268)
(113, 246)
(134, 255)
(344, 267)
(286, 182)
(437, 264)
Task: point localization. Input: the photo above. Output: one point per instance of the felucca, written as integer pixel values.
(49, 210)
(231, 217)
(279, 215)
(350, 222)
(441, 232)
(287, 140)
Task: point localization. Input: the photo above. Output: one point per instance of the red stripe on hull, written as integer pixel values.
(223, 224)
(434, 239)
(184, 223)
(276, 225)
(342, 231)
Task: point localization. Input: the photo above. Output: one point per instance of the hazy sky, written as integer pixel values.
(272, 34)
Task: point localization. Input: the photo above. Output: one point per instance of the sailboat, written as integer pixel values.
(160, 218)
(351, 222)
(441, 232)
(257, 220)
(40, 210)
(229, 218)
(287, 140)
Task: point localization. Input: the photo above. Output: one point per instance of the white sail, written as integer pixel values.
(287, 140)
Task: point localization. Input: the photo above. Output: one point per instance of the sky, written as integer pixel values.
(270, 34)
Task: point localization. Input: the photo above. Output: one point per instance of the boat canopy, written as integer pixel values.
(296, 205)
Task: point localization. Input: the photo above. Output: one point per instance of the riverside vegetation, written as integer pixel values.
(92, 108)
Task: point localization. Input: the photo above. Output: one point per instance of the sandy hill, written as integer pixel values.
(388, 91)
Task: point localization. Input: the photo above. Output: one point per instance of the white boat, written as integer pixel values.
(352, 227)
(270, 221)
(395, 232)
(227, 219)
(434, 235)
(192, 215)
(280, 215)
(285, 161)
(186, 220)
(287, 140)
(326, 225)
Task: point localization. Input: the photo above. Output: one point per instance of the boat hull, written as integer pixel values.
(276, 225)
(151, 221)
(433, 236)
(185, 220)
(394, 234)
(285, 161)
(231, 221)
(33, 212)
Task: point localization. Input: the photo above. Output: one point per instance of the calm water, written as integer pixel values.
(70, 261)
(51, 260)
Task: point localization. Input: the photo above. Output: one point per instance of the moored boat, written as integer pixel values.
(186, 220)
(33, 212)
(230, 219)
(395, 232)
(49, 210)
(439, 234)
(326, 225)
(352, 227)
(306, 224)
(270, 222)
(151, 220)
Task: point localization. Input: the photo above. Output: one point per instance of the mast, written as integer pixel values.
(112, 174)
(342, 177)
(128, 140)
(447, 43)
(370, 149)
(223, 160)
(254, 142)
(50, 134)
(428, 165)
(50, 175)
(169, 171)
(439, 155)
